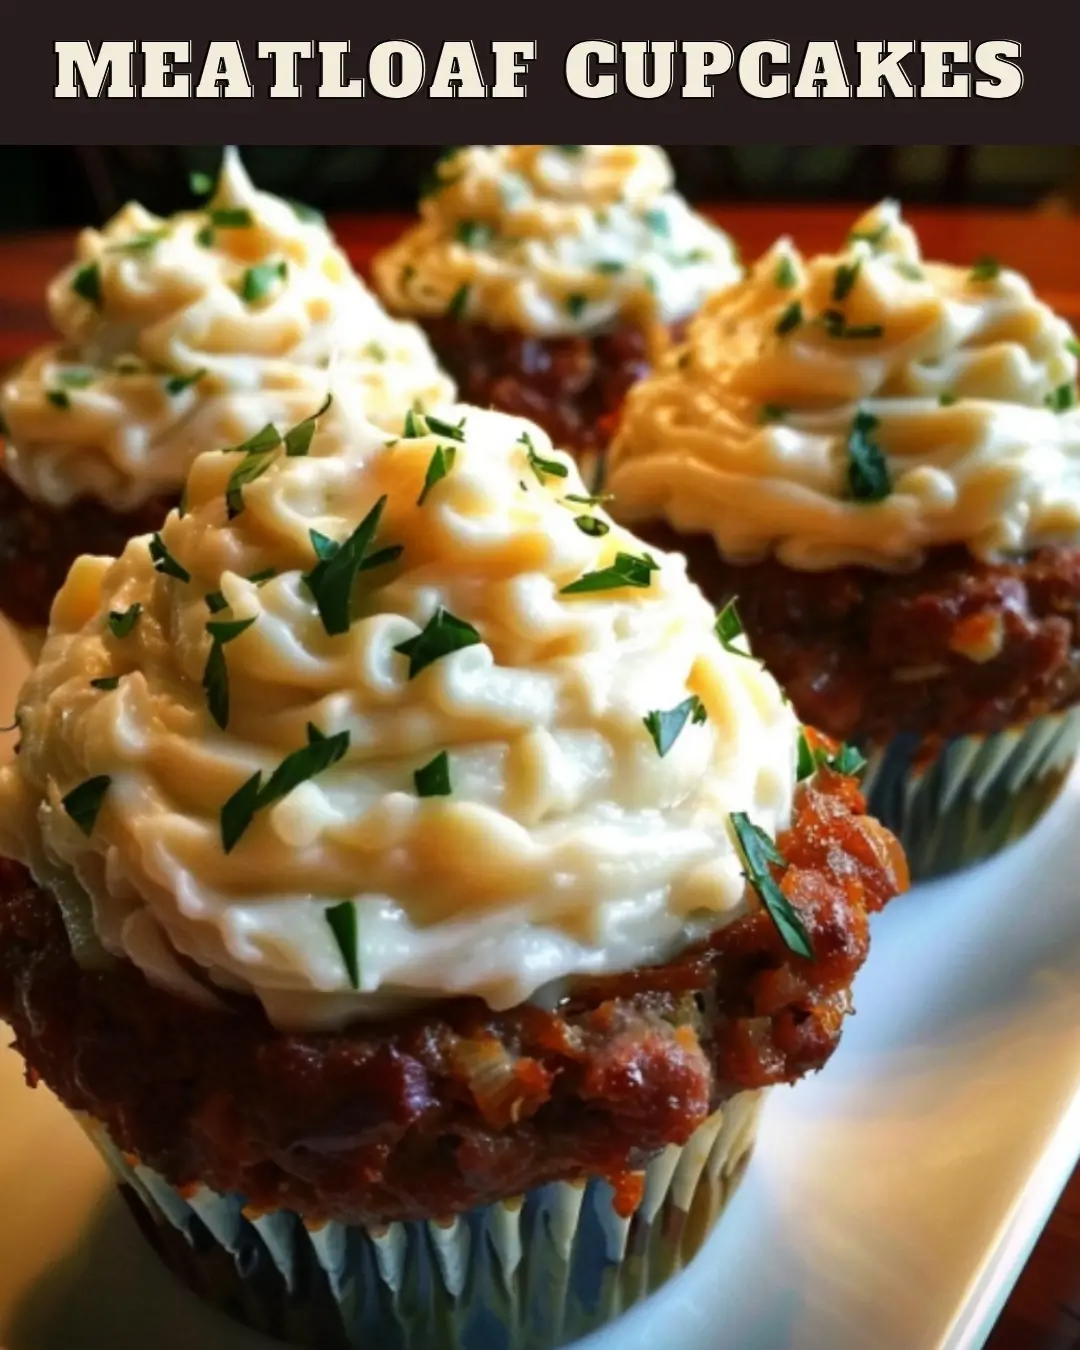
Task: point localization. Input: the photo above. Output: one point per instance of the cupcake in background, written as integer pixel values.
(880, 456)
(412, 890)
(549, 277)
(178, 336)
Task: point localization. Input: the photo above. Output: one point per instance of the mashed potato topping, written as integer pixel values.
(860, 408)
(376, 720)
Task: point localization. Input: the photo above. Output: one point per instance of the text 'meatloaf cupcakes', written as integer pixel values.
(548, 277)
(177, 336)
(881, 457)
(380, 834)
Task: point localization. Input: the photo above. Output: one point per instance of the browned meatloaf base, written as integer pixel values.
(436, 1113)
(39, 543)
(572, 386)
(956, 648)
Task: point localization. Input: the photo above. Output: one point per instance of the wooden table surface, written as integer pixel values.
(1043, 1312)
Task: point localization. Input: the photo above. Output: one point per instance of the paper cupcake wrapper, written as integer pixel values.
(975, 796)
(531, 1273)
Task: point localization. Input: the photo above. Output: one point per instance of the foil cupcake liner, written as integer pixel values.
(974, 795)
(530, 1273)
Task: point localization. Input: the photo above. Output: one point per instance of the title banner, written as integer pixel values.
(966, 80)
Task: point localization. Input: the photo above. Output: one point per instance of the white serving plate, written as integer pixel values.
(891, 1203)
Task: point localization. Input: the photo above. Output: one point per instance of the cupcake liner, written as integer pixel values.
(530, 1273)
(974, 796)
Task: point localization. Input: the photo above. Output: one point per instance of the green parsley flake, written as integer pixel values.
(176, 384)
(473, 233)
(791, 318)
(871, 237)
(868, 477)
(1062, 398)
(298, 438)
(331, 579)
(231, 218)
(844, 281)
(665, 727)
(215, 681)
(626, 570)
(758, 853)
(443, 634)
(785, 276)
(945, 399)
(344, 926)
(320, 753)
(59, 398)
(83, 803)
(576, 303)
(609, 267)
(440, 464)
(591, 525)
(75, 379)
(164, 561)
(985, 269)
(846, 760)
(838, 327)
(258, 281)
(453, 431)
(251, 467)
(771, 412)
(87, 283)
(139, 243)
(307, 215)
(201, 184)
(106, 683)
(728, 628)
(121, 622)
(459, 302)
(433, 780)
(205, 237)
(539, 465)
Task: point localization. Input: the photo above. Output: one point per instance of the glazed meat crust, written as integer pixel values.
(958, 647)
(39, 543)
(435, 1113)
(572, 386)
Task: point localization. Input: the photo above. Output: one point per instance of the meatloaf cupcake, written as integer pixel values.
(412, 892)
(881, 457)
(177, 336)
(548, 277)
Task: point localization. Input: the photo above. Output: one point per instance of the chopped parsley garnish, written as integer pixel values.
(657, 221)
(121, 622)
(728, 627)
(571, 149)
(583, 500)
(444, 633)
(176, 384)
(665, 727)
(790, 319)
(910, 271)
(165, 562)
(473, 233)
(415, 427)
(433, 780)
(1072, 345)
(838, 327)
(459, 302)
(266, 439)
(267, 574)
(626, 570)
(846, 760)
(868, 471)
(539, 465)
(343, 924)
(139, 243)
(87, 283)
(592, 525)
(945, 399)
(609, 267)
(844, 281)
(784, 277)
(576, 303)
(453, 431)
(871, 237)
(84, 802)
(985, 269)
(201, 184)
(302, 765)
(205, 237)
(771, 412)
(76, 379)
(254, 464)
(106, 682)
(331, 580)
(216, 675)
(298, 438)
(758, 851)
(440, 464)
(258, 281)
(231, 217)
(376, 351)
(216, 602)
(1062, 398)
(59, 398)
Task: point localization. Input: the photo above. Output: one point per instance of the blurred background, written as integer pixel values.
(56, 186)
